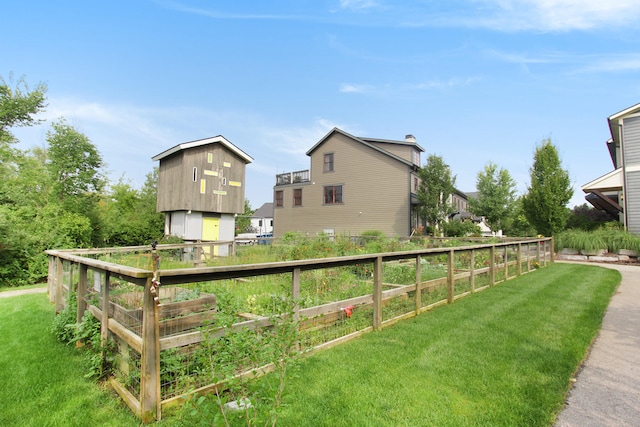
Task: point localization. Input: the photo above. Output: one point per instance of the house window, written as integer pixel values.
(297, 197)
(259, 223)
(328, 162)
(332, 194)
(415, 184)
(271, 223)
(279, 198)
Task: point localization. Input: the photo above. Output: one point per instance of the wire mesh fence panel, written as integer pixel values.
(336, 324)
(126, 365)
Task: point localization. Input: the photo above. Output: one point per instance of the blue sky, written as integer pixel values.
(473, 80)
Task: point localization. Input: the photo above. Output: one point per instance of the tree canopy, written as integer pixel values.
(434, 192)
(545, 203)
(496, 196)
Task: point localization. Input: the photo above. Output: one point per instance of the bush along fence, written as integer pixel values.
(157, 325)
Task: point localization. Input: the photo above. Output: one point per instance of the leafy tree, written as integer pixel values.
(23, 184)
(496, 196)
(129, 216)
(517, 223)
(587, 218)
(434, 193)
(18, 106)
(75, 170)
(545, 204)
(243, 222)
(74, 162)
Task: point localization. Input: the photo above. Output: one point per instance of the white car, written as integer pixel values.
(246, 238)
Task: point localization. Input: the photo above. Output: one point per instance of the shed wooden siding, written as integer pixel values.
(376, 193)
(178, 191)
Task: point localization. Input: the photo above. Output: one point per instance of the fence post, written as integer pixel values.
(506, 262)
(418, 284)
(104, 322)
(519, 257)
(472, 270)
(551, 249)
(295, 292)
(492, 265)
(377, 293)
(59, 274)
(538, 252)
(82, 291)
(450, 277)
(150, 359)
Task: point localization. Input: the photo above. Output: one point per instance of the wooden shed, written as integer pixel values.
(201, 189)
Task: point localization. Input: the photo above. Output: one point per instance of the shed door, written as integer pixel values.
(211, 231)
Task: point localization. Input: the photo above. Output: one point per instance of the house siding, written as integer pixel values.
(631, 152)
(376, 193)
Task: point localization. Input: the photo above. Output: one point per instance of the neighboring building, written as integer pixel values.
(262, 219)
(201, 189)
(354, 184)
(618, 192)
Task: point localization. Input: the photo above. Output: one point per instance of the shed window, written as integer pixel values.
(195, 174)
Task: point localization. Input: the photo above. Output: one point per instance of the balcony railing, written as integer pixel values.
(292, 177)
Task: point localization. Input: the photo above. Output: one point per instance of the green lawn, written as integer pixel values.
(502, 357)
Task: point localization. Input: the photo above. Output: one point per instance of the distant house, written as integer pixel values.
(353, 184)
(262, 219)
(618, 192)
(201, 189)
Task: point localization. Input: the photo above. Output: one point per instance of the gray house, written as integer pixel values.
(353, 184)
(618, 192)
(201, 189)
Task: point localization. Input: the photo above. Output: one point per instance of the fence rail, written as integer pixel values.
(336, 298)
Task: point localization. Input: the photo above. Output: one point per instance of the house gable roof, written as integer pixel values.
(613, 121)
(264, 211)
(200, 142)
(366, 142)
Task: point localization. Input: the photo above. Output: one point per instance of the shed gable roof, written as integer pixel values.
(200, 142)
(367, 142)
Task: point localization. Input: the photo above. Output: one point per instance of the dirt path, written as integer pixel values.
(7, 294)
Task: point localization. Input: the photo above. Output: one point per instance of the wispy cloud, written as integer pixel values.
(384, 90)
(612, 63)
(498, 15)
(359, 5)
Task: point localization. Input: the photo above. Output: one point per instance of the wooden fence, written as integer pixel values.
(143, 331)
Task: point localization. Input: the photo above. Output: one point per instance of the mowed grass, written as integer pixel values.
(42, 381)
(501, 357)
